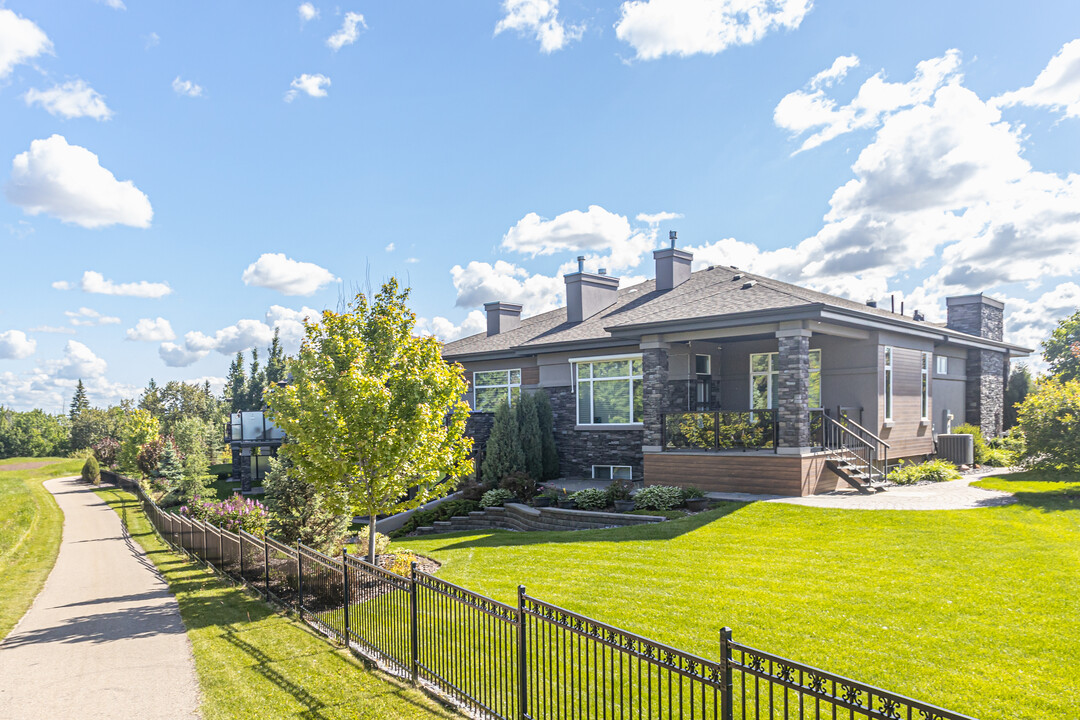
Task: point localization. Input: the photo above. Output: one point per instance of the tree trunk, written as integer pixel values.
(372, 519)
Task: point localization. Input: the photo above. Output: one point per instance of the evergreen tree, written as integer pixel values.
(1016, 391)
(503, 455)
(549, 452)
(171, 469)
(256, 383)
(79, 403)
(299, 511)
(529, 436)
(235, 384)
(275, 362)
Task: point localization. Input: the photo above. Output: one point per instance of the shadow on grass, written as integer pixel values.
(667, 530)
(1043, 490)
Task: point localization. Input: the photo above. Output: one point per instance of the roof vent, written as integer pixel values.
(871, 303)
(738, 277)
(749, 284)
(602, 271)
(918, 316)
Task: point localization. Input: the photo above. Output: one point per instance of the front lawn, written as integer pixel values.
(974, 610)
(254, 663)
(30, 529)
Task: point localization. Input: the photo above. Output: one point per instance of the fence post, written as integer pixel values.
(414, 630)
(523, 685)
(266, 567)
(299, 581)
(727, 692)
(240, 544)
(345, 585)
(205, 542)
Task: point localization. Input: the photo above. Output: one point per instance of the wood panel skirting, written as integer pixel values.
(764, 474)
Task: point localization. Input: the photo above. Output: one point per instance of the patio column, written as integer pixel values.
(793, 393)
(654, 386)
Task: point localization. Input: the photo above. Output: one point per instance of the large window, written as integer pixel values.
(765, 380)
(609, 391)
(924, 391)
(888, 383)
(491, 388)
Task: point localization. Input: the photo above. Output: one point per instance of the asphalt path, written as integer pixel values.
(104, 638)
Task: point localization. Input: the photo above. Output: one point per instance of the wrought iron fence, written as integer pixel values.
(535, 661)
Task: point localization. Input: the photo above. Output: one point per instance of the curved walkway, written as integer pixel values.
(104, 638)
(953, 495)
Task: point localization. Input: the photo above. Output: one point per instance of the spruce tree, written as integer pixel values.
(549, 453)
(235, 384)
(529, 436)
(79, 403)
(275, 362)
(256, 383)
(171, 468)
(503, 455)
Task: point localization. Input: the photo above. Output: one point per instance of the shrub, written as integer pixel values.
(496, 497)
(689, 493)
(299, 512)
(532, 449)
(619, 490)
(1050, 421)
(549, 451)
(381, 542)
(402, 563)
(590, 499)
(520, 485)
(472, 490)
(932, 471)
(503, 454)
(999, 457)
(976, 433)
(91, 471)
(442, 511)
(659, 497)
(106, 450)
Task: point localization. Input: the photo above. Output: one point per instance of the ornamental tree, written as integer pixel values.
(1050, 420)
(374, 416)
(1062, 349)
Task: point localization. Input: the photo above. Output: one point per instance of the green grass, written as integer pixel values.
(254, 663)
(974, 610)
(30, 530)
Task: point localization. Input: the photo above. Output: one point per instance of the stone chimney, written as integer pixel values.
(977, 315)
(588, 293)
(672, 265)
(502, 317)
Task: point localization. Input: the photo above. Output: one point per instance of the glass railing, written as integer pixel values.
(721, 430)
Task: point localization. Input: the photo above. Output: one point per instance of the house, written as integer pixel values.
(731, 381)
(253, 439)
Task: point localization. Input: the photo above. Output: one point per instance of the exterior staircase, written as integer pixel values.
(855, 454)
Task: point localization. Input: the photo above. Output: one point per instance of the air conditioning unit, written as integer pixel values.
(957, 449)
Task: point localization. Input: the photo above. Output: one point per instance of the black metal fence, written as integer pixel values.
(535, 661)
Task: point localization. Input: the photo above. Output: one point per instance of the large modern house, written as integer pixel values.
(731, 381)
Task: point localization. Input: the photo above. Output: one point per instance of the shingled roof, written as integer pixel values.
(711, 293)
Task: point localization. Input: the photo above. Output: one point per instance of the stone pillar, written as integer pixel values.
(793, 393)
(245, 470)
(984, 392)
(654, 380)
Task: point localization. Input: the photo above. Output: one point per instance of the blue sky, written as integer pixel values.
(180, 178)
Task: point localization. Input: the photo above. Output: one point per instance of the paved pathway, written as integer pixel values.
(954, 495)
(104, 637)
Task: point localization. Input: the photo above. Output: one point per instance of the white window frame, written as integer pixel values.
(924, 386)
(575, 362)
(770, 372)
(942, 360)
(509, 386)
(612, 468)
(889, 379)
(708, 364)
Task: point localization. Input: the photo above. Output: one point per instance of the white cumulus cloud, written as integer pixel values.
(96, 283)
(20, 40)
(186, 88)
(287, 276)
(147, 330)
(446, 330)
(481, 282)
(657, 218)
(595, 229)
(79, 361)
(349, 31)
(313, 85)
(1057, 86)
(539, 19)
(67, 182)
(15, 345)
(242, 335)
(307, 12)
(655, 28)
(87, 317)
(71, 100)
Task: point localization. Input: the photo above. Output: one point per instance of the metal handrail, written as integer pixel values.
(860, 427)
(837, 440)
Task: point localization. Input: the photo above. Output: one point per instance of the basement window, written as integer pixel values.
(612, 472)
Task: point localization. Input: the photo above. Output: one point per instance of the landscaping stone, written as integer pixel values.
(515, 516)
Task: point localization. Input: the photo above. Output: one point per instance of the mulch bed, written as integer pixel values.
(27, 465)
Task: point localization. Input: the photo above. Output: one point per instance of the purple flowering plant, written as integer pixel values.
(234, 514)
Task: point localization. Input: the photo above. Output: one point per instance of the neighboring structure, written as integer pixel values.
(732, 381)
(253, 440)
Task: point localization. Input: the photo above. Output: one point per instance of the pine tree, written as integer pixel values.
(529, 436)
(503, 455)
(275, 362)
(549, 452)
(235, 384)
(256, 383)
(79, 403)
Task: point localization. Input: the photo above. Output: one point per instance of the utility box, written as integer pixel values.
(957, 449)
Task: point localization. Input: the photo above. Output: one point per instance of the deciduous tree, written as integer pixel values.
(1062, 349)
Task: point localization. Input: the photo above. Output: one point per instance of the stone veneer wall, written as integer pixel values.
(513, 516)
(984, 392)
(579, 450)
(479, 425)
(793, 395)
(977, 318)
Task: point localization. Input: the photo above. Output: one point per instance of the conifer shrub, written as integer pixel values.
(91, 471)
(503, 454)
(549, 452)
(529, 436)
